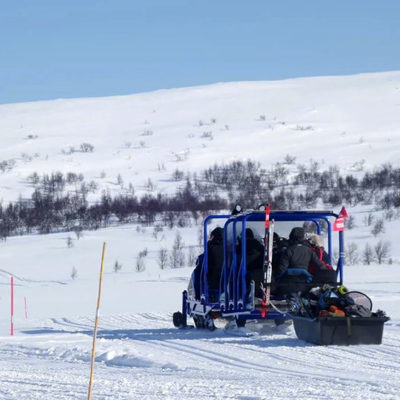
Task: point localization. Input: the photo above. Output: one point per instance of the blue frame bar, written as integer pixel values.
(233, 277)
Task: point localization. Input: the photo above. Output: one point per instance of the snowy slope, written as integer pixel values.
(139, 354)
(338, 120)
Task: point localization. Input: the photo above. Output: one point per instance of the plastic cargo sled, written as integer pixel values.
(231, 282)
(340, 331)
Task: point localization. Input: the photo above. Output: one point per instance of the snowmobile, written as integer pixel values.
(238, 299)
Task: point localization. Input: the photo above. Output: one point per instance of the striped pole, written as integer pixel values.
(12, 307)
(96, 324)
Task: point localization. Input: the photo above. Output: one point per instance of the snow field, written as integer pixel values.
(350, 121)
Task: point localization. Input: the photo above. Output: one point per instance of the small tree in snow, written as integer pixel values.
(350, 222)
(382, 251)
(368, 219)
(74, 273)
(70, 242)
(368, 254)
(352, 254)
(117, 266)
(191, 257)
(140, 263)
(378, 227)
(162, 258)
(177, 256)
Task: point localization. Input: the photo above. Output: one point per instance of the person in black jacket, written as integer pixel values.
(215, 258)
(254, 261)
(298, 254)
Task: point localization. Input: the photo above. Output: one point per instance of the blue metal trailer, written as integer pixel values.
(234, 300)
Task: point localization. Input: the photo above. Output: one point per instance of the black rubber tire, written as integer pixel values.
(240, 323)
(177, 319)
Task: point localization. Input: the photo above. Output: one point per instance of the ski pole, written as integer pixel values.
(96, 324)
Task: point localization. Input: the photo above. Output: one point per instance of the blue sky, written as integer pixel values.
(60, 49)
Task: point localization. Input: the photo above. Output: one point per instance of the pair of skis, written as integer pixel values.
(268, 248)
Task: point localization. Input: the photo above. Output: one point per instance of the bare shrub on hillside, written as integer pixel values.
(120, 181)
(389, 215)
(304, 128)
(177, 255)
(350, 222)
(368, 254)
(368, 219)
(149, 185)
(177, 175)
(191, 256)
(117, 266)
(382, 251)
(7, 165)
(352, 256)
(289, 160)
(33, 178)
(378, 227)
(207, 135)
(140, 262)
(162, 259)
(157, 230)
(74, 273)
(86, 148)
(31, 137)
(78, 232)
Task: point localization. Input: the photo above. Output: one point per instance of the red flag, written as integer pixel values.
(338, 225)
(267, 212)
(343, 213)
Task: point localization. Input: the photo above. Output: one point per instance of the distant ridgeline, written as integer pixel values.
(59, 202)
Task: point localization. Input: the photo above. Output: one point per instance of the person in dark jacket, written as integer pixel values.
(215, 257)
(298, 254)
(254, 261)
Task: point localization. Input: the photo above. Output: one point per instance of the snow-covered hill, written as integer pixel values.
(336, 120)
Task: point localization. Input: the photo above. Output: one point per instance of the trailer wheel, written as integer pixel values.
(177, 319)
(240, 323)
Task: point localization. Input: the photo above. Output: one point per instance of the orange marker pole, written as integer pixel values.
(96, 324)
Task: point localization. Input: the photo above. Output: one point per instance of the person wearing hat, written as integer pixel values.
(327, 275)
(298, 254)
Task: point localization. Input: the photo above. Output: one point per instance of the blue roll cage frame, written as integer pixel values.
(233, 276)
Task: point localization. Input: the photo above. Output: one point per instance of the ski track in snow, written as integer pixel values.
(142, 356)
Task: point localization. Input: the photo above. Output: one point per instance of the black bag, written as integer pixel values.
(325, 276)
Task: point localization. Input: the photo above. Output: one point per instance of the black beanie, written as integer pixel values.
(297, 234)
